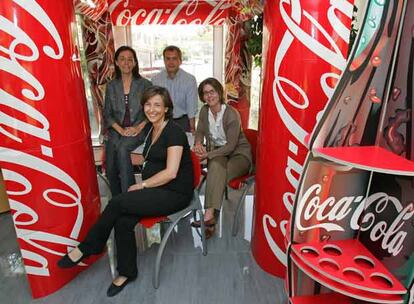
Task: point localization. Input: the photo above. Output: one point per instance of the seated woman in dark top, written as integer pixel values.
(166, 187)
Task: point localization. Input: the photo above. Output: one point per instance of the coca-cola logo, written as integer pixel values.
(67, 193)
(184, 12)
(293, 15)
(332, 55)
(325, 214)
(93, 9)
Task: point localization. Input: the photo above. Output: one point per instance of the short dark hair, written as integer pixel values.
(173, 48)
(216, 86)
(135, 70)
(165, 96)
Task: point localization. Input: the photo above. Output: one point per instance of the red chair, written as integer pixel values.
(244, 182)
(173, 219)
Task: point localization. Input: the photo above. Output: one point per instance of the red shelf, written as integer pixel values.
(349, 263)
(345, 290)
(326, 298)
(370, 158)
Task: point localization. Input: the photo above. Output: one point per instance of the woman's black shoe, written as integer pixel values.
(113, 290)
(66, 262)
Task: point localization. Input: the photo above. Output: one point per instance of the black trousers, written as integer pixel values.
(122, 213)
(118, 161)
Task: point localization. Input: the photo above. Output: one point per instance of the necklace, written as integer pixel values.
(153, 141)
(126, 83)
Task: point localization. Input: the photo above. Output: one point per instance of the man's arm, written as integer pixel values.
(192, 125)
(192, 101)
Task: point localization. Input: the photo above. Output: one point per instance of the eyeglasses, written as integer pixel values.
(209, 93)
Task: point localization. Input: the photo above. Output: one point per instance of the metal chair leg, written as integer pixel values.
(238, 208)
(156, 278)
(202, 182)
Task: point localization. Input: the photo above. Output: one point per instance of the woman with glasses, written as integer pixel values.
(123, 118)
(227, 149)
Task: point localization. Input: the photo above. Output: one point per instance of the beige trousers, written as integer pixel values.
(221, 170)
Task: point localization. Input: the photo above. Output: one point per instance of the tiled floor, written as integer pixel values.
(228, 274)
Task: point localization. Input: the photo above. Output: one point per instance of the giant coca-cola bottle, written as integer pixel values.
(306, 44)
(352, 232)
(45, 147)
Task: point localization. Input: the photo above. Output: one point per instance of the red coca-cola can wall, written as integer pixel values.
(45, 147)
(305, 48)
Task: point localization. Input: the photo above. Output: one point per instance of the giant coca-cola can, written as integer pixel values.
(306, 44)
(45, 148)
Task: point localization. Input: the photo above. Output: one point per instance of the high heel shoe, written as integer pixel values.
(210, 223)
(66, 262)
(113, 289)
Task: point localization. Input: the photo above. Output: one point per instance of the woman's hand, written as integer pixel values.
(135, 130)
(200, 151)
(130, 131)
(199, 148)
(202, 156)
(135, 187)
(119, 129)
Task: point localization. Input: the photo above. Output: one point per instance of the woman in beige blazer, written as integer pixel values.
(227, 149)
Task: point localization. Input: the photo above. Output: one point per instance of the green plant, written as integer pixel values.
(254, 28)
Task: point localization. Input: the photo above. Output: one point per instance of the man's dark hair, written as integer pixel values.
(173, 48)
